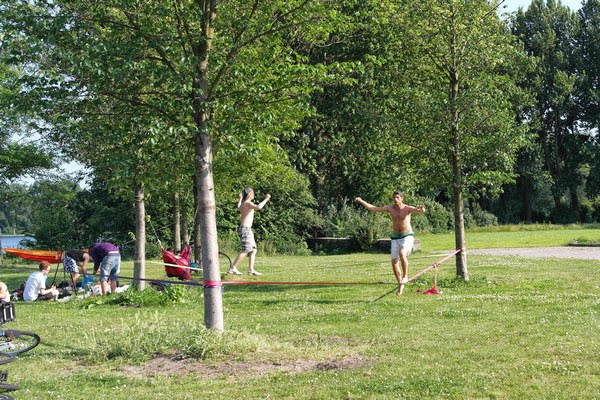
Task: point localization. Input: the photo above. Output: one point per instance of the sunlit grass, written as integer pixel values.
(515, 236)
(520, 329)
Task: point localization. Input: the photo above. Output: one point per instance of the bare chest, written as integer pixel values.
(399, 215)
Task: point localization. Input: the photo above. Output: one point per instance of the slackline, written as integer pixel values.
(219, 283)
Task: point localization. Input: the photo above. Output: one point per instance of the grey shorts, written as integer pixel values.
(246, 239)
(110, 267)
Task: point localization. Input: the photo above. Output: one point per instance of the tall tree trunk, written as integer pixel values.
(320, 174)
(459, 218)
(575, 205)
(213, 305)
(213, 301)
(139, 265)
(526, 188)
(557, 171)
(197, 232)
(185, 230)
(459, 223)
(176, 223)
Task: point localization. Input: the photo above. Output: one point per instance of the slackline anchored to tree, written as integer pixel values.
(219, 283)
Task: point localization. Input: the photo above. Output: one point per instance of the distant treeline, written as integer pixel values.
(501, 113)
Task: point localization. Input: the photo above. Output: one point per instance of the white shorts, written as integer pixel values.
(405, 243)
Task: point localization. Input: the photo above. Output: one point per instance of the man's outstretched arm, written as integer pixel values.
(369, 206)
(418, 209)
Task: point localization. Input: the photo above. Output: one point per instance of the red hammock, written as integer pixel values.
(183, 259)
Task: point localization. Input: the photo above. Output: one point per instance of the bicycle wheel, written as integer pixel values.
(6, 386)
(5, 397)
(15, 342)
(5, 358)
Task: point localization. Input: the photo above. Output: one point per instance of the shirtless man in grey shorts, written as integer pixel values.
(246, 207)
(402, 236)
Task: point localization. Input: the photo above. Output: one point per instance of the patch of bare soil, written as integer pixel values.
(168, 365)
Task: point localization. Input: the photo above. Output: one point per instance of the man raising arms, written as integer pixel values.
(246, 207)
(403, 236)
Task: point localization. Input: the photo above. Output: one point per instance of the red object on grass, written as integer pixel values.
(184, 259)
(433, 290)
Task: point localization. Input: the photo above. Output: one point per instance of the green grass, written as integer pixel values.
(521, 328)
(535, 235)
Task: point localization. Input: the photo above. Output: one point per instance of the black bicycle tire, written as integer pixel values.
(6, 397)
(16, 334)
(7, 386)
(6, 358)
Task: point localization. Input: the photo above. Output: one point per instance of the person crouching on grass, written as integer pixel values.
(72, 261)
(246, 207)
(403, 237)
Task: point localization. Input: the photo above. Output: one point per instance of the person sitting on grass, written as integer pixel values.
(35, 288)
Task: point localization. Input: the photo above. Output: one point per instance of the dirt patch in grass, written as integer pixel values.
(170, 365)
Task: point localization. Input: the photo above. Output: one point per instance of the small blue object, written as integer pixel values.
(87, 280)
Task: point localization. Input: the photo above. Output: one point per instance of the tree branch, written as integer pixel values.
(163, 54)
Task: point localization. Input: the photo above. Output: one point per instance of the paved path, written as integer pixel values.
(587, 253)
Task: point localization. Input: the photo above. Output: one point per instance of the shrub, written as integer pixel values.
(133, 297)
(436, 219)
(484, 218)
(363, 227)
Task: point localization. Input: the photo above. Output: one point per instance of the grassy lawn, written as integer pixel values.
(521, 328)
(516, 236)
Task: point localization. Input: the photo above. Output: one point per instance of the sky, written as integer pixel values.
(513, 5)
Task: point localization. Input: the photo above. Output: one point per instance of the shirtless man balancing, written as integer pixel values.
(246, 207)
(402, 237)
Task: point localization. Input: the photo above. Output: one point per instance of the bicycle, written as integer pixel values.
(12, 343)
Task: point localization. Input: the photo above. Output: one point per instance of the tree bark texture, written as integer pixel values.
(213, 306)
(459, 220)
(185, 229)
(139, 265)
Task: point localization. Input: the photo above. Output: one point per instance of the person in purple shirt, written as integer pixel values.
(107, 258)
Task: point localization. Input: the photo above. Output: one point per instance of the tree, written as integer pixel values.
(347, 147)
(53, 216)
(15, 208)
(588, 62)
(16, 159)
(251, 87)
(548, 31)
(461, 75)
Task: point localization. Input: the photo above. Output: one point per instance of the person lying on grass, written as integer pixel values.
(403, 237)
